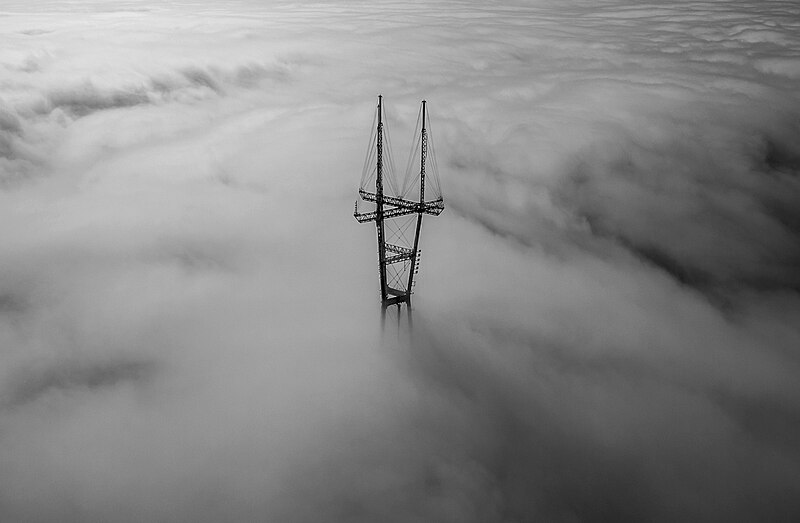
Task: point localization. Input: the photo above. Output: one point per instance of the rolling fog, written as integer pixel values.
(607, 317)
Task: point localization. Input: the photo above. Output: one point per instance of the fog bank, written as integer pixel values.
(606, 315)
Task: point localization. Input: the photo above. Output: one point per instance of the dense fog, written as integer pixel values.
(607, 315)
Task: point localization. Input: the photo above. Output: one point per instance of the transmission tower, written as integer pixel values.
(398, 218)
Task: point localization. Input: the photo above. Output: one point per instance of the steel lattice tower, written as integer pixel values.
(395, 214)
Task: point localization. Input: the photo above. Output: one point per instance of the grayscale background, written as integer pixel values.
(607, 315)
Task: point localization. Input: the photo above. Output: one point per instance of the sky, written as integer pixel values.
(607, 314)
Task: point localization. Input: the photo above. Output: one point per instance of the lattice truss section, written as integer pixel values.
(399, 233)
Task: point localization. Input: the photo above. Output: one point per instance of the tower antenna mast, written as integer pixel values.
(394, 214)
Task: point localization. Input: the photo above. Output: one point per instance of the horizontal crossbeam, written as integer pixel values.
(398, 258)
(433, 207)
(397, 249)
(390, 200)
(395, 299)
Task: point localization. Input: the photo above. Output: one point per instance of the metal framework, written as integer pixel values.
(397, 263)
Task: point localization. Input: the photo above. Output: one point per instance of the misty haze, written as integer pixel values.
(606, 316)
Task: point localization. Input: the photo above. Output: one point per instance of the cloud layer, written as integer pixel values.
(606, 321)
